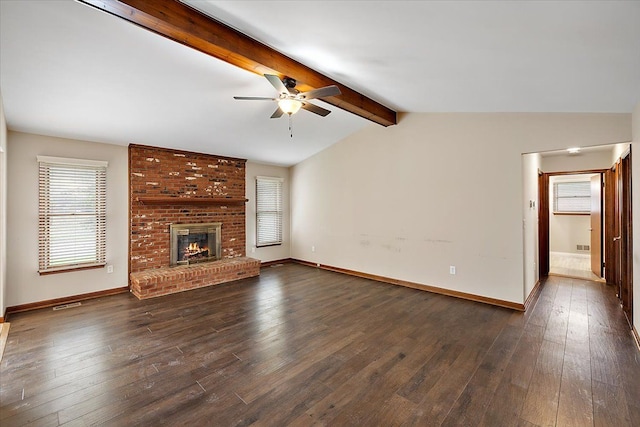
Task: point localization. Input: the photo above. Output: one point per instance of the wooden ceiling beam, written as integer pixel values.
(191, 28)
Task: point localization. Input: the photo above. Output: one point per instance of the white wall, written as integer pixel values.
(530, 166)
(24, 285)
(567, 231)
(3, 211)
(635, 178)
(583, 161)
(408, 201)
(269, 253)
(618, 151)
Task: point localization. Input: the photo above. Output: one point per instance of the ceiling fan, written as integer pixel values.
(290, 100)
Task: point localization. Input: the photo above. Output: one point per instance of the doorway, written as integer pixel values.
(575, 224)
(616, 228)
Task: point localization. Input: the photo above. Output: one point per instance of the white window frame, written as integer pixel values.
(269, 211)
(576, 198)
(72, 214)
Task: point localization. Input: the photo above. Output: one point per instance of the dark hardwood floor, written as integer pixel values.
(301, 346)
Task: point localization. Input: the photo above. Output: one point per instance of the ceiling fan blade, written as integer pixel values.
(277, 114)
(254, 98)
(315, 109)
(277, 83)
(332, 90)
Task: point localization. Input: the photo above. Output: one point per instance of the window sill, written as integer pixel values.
(271, 244)
(572, 213)
(70, 268)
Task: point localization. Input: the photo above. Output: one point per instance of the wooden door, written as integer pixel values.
(617, 239)
(619, 233)
(596, 225)
(626, 243)
(543, 224)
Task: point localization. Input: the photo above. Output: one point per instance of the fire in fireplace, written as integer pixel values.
(191, 243)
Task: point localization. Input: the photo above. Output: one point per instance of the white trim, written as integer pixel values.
(272, 178)
(74, 162)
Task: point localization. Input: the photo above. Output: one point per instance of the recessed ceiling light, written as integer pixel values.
(573, 150)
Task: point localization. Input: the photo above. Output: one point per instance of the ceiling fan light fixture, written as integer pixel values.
(290, 100)
(289, 106)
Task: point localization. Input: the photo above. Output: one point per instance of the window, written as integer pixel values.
(572, 197)
(268, 211)
(72, 213)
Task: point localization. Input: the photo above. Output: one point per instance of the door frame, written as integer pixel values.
(596, 220)
(543, 215)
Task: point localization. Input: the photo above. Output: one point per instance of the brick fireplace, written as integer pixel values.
(173, 188)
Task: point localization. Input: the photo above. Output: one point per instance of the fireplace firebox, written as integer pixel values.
(193, 243)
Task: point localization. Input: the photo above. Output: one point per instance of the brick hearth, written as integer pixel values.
(168, 280)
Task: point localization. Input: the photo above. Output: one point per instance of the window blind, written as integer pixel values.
(72, 213)
(572, 197)
(268, 211)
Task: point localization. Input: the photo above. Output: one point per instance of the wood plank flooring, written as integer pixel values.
(301, 346)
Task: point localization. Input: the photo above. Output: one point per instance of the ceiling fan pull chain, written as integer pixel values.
(291, 125)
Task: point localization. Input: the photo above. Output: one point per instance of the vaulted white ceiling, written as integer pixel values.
(72, 71)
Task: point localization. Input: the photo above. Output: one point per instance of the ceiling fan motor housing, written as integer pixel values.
(289, 83)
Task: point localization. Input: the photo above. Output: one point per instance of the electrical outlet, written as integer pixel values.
(313, 248)
(109, 268)
(253, 249)
(452, 269)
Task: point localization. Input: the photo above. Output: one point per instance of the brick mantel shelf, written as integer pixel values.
(202, 201)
